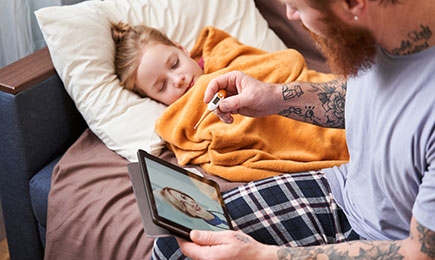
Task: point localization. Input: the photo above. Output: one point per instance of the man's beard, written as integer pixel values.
(347, 49)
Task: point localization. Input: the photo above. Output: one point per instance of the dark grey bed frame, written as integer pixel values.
(38, 122)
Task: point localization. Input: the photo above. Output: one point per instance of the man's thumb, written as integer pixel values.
(230, 104)
(202, 237)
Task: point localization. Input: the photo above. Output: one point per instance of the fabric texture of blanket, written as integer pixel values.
(249, 148)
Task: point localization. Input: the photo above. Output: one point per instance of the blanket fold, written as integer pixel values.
(250, 148)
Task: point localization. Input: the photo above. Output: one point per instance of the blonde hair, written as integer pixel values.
(174, 202)
(130, 42)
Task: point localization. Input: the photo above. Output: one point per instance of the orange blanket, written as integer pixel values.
(250, 148)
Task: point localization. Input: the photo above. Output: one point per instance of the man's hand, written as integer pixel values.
(222, 245)
(245, 95)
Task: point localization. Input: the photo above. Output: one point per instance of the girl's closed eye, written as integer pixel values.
(163, 86)
(175, 64)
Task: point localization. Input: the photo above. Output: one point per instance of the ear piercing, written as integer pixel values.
(355, 18)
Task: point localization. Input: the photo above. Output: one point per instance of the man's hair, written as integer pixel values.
(130, 42)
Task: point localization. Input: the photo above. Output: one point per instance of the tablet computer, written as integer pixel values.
(179, 200)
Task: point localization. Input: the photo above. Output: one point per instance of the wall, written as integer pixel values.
(19, 31)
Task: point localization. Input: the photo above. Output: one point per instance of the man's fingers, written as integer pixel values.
(225, 117)
(189, 249)
(207, 245)
(227, 244)
(230, 104)
(211, 89)
(203, 243)
(226, 81)
(208, 238)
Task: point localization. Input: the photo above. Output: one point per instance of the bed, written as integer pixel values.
(44, 134)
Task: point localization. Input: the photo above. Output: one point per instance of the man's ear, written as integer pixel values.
(355, 8)
(179, 46)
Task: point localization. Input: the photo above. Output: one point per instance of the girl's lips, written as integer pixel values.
(191, 84)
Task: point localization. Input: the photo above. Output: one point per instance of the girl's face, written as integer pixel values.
(190, 205)
(165, 73)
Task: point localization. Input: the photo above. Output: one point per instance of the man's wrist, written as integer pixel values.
(267, 252)
(286, 94)
(277, 96)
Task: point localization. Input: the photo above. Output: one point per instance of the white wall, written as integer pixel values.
(19, 31)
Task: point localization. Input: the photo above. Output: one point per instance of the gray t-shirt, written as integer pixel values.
(390, 122)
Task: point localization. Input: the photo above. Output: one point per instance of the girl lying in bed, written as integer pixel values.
(152, 65)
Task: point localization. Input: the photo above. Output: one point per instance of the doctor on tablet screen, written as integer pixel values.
(188, 205)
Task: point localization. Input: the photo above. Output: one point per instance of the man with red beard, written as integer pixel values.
(380, 205)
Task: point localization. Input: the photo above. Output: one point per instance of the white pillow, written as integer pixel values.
(81, 47)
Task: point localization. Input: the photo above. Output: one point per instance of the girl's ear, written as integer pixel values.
(180, 47)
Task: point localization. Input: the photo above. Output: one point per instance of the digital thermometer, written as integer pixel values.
(212, 105)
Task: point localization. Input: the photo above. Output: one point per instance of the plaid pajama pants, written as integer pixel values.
(294, 209)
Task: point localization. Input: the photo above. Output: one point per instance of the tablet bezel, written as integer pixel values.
(159, 220)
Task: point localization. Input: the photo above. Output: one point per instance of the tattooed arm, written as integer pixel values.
(317, 103)
(236, 245)
(419, 245)
(321, 104)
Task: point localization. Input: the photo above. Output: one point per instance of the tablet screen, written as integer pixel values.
(185, 200)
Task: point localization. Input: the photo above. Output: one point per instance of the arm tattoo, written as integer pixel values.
(332, 96)
(329, 111)
(306, 114)
(291, 92)
(367, 250)
(417, 41)
(427, 240)
(242, 238)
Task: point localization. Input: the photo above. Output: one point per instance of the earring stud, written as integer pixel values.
(355, 18)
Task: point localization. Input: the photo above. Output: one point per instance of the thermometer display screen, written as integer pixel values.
(216, 100)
